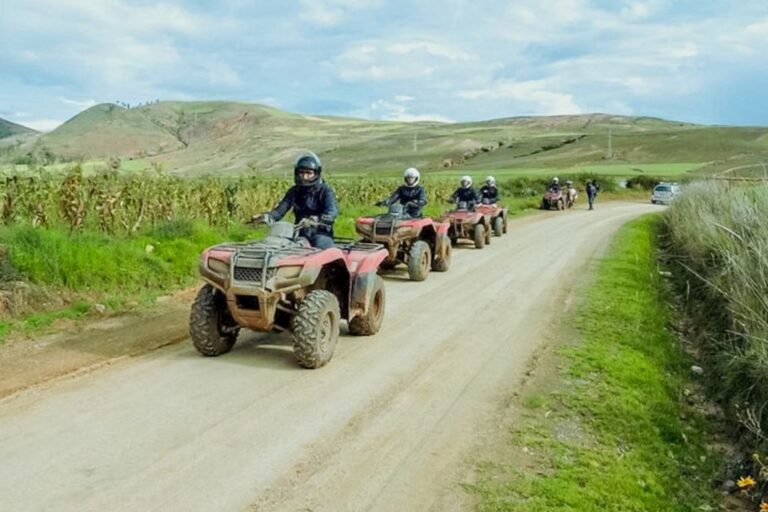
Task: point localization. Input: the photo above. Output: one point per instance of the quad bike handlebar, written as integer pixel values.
(264, 219)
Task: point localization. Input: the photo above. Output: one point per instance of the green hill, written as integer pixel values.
(9, 129)
(196, 138)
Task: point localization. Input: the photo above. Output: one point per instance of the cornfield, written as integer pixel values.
(124, 204)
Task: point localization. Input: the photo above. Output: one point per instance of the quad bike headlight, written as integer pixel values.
(218, 266)
(289, 272)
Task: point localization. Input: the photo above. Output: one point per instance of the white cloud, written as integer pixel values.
(387, 110)
(759, 28)
(532, 97)
(331, 12)
(387, 61)
(429, 48)
(80, 104)
(400, 98)
(43, 125)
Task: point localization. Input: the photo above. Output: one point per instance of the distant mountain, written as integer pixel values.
(9, 129)
(225, 137)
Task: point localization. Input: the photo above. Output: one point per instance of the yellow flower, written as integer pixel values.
(763, 506)
(745, 482)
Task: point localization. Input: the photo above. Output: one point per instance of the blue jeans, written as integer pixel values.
(316, 239)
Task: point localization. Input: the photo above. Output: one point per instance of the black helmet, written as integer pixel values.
(307, 161)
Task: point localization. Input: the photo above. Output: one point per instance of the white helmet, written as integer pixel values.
(466, 181)
(411, 172)
(490, 181)
(556, 179)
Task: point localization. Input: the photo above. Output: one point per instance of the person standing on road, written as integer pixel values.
(591, 194)
(310, 197)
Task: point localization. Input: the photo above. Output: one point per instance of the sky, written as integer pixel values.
(698, 61)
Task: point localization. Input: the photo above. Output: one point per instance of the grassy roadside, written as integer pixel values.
(49, 274)
(617, 432)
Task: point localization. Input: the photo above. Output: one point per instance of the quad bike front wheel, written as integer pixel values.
(479, 236)
(498, 226)
(488, 234)
(370, 322)
(419, 260)
(212, 329)
(315, 329)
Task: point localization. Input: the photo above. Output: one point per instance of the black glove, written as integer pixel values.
(326, 219)
(382, 203)
(262, 218)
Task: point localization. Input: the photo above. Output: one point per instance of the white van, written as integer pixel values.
(665, 193)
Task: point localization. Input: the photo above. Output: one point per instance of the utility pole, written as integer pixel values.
(610, 146)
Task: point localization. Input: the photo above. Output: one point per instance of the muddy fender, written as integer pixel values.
(362, 293)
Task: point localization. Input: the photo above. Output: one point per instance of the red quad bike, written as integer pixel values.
(282, 283)
(466, 223)
(499, 216)
(420, 243)
(552, 199)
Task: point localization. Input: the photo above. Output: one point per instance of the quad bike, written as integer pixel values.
(570, 197)
(553, 198)
(421, 243)
(282, 283)
(467, 222)
(499, 216)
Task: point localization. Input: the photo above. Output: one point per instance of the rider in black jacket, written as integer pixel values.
(310, 197)
(489, 193)
(465, 193)
(411, 195)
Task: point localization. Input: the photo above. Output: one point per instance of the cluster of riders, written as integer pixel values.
(592, 189)
(312, 198)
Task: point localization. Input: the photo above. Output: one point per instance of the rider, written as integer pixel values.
(554, 185)
(310, 197)
(411, 195)
(465, 193)
(489, 193)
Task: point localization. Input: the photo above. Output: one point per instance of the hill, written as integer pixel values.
(9, 129)
(196, 138)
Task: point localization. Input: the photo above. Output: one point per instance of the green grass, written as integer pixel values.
(631, 451)
(717, 242)
(158, 259)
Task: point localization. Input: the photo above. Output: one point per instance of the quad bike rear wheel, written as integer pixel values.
(442, 264)
(212, 329)
(506, 221)
(370, 322)
(315, 329)
(419, 260)
(498, 226)
(479, 236)
(560, 204)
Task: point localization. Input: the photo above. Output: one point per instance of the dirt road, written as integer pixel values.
(387, 425)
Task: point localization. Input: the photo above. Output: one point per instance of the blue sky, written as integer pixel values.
(451, 60)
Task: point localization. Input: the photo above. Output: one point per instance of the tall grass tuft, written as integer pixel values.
(718, 239)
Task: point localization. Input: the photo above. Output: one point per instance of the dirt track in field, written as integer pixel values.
(389, 424)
